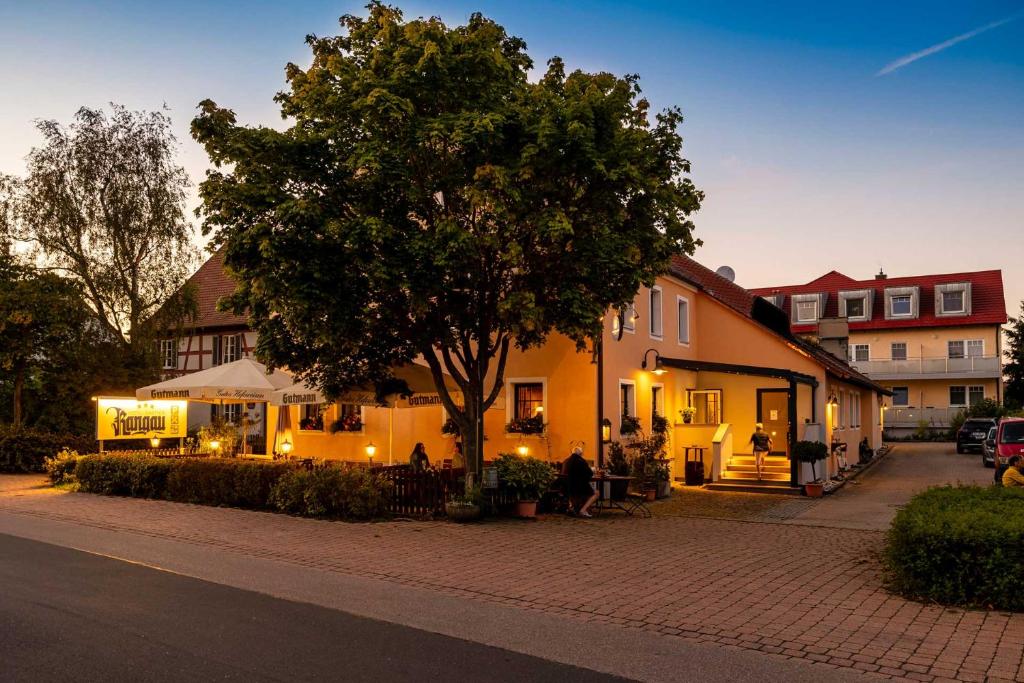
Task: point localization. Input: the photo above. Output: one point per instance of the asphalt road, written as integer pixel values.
(68, 615)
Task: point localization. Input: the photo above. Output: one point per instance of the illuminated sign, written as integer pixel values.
(126, 418)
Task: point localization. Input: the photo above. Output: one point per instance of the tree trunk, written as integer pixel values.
(473, 434)
(19, 385)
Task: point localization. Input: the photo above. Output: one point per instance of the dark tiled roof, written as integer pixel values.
(988, 306)
(745, 302)
(211, 282)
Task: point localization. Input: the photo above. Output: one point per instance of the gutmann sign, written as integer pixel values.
(126, 418)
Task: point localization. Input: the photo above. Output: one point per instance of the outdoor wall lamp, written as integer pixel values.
(658, 368)
(833, 400)
(606, 430)
(286, 446)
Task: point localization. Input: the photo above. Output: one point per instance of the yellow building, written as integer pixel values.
(934, 340)
(707, 344)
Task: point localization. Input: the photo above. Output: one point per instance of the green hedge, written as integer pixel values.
(323, 492)
(25, 450)
(960, 546)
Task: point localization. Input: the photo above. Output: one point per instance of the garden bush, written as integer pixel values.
(330, 492)
(61, 467)
(23, 449)
(323, 492)
(960, 546)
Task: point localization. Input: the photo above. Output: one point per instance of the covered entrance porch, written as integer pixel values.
(723, 402)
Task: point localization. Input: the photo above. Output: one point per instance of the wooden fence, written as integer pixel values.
(420, 493)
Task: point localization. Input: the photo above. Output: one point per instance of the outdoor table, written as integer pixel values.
(631, 504)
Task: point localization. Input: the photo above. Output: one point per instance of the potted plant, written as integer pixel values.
(450, 427)
(525, 478)
(466, 506)
(617, 464)
(811, 452)
(629, 425)
(688, 413)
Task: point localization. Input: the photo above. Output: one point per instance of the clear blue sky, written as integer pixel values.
(810, 159)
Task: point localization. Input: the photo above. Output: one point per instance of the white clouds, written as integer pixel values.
(939, 47)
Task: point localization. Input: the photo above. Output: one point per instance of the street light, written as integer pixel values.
(658, 369)
(155, 442)
(523, 450)
(370, 451)
(286, 446)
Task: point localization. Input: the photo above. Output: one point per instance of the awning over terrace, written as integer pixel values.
(418, 378)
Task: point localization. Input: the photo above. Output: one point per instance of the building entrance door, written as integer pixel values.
(773, 413)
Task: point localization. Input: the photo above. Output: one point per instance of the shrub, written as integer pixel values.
(23, 449)
(330, 492)
(960, 546)
(61, 467)
(527, 478)
(810, 452)
(227, 482)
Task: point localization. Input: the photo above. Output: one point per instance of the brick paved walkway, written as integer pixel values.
(798, 591)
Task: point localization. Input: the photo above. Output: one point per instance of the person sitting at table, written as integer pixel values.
(579, 486)
(419, 459)
(458, 457)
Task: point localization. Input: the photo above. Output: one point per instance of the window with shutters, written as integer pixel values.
(231, 348)
(169, 354)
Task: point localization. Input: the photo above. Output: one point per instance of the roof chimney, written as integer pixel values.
(881, 275)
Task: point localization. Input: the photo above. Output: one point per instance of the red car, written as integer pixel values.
(1009, 442)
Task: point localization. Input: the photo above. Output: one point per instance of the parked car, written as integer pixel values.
(988, 449)
(1009, 442)
(973, 432)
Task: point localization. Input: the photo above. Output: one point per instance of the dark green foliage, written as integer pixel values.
(322, 492)
(616, 462)
(428, 197)
(526, 478)
(960, 546)
(810, 452)
(330, 492)
(984, 408)
(1013, 368)
(25, 450)
(61, 467)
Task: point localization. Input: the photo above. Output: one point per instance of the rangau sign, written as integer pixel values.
(126, 418)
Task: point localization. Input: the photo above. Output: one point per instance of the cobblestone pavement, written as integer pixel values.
(804, 592)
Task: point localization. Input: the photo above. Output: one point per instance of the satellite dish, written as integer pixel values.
(727, 272)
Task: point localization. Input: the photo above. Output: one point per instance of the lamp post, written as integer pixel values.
(215, 446)
(657, 368)
(286, 446)
(155, 442)
(371, 450)
(523, 450)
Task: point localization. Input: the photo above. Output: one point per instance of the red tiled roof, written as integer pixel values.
(988, 306)
(211, 283)
(743, 302)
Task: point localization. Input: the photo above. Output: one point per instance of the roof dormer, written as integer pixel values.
(807, 309)
(953, 299)
(902, 303)
(856, 305)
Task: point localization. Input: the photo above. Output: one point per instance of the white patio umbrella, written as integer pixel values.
(243, 381)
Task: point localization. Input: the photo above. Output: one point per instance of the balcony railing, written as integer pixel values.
(975, 366)
(912, 417)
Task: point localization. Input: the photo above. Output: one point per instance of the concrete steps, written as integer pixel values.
(740, 486)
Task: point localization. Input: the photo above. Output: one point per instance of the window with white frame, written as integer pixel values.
(965, 348)
(900, 396)
(860, 353)
(855, 308)
(806, 311)
(856, 305)
(527, 400)
(654, 299)
(901, 305)
(899, 350)
(229, 412)
(953, 299)
(975, 348)
(657, 402)
(975, 395)
(232, 348)
(169, 354)
(855, 409)
(627, 398)
(841, 410)
(351, 419)
(707, 406)
(957, 396)
(683, 310)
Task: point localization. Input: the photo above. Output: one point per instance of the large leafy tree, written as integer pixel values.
(429, 200)
(103, 202)
(1013, 369)
(41, 319)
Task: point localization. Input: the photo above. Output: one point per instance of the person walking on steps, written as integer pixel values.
(762, 446)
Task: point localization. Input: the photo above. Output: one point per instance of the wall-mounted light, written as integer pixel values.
(606, 430)
(833, 400)
(657, 368)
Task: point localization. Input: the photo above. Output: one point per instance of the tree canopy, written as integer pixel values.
(427, 199)
(104, 203)
(1013, 369)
